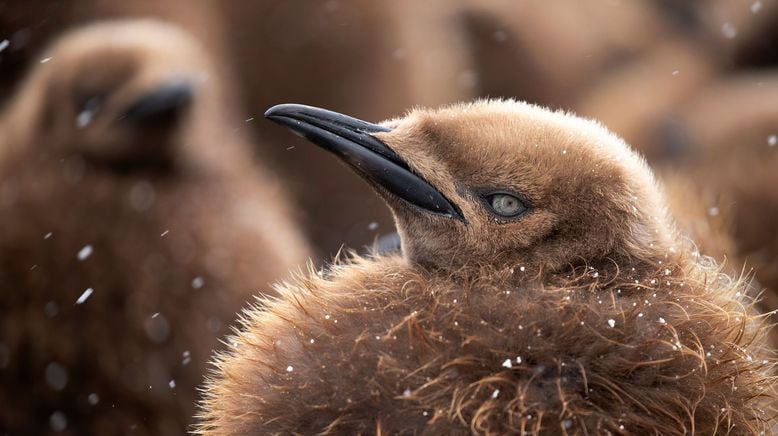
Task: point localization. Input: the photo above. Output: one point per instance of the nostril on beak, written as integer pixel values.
(161, 105)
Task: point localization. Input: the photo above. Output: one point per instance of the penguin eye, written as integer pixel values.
(505, 205)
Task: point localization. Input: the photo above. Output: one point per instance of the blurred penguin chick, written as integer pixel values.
(541, 289)
(134, 227)
(725, 178)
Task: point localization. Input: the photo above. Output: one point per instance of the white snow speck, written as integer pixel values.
(468, 79)
(48, 235)
(662, 320)
(564, 151)
(187, 357)
(84, 118)
(522, 269)
(142, 196)
(676, 72)
(157, 328)
(728, 30)
(249, 119)
(172, 384)
(772, 140)
(407, 392)
(85, 252)
(45, 60)
(640, 315)
(4, 44)
(84, 295)
(51, 309)
(164, 233)
(58, 421)
(93, 399)
(507, 364)
(612, 322)
(518, 359)
(289, 368)
(496, 393)
(713, 211)
(567, 423)
(372, 226)
(756, 6)
(56, 376)
(198, 282)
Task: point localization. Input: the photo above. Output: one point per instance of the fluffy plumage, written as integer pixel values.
(586, 315)
(121, 172)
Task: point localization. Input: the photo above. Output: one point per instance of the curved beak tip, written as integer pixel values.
(352, 140)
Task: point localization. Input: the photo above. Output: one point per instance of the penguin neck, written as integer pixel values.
(525, 269)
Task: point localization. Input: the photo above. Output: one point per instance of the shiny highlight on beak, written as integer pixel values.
(351, 140)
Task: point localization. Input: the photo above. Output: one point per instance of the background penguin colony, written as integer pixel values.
(134, 227)
(690, 86)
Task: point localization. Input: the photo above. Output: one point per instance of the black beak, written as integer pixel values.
(350, 140)
(160, 106)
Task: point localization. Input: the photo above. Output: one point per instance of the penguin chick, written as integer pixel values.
(134, 227)
(541, 289)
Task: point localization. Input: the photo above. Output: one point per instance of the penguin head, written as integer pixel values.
(115, 93)
(501, 183)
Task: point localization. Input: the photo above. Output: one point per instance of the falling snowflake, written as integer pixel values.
(85, 252)
(728, 30)
(186, 357)
(198, 282)
(84, 295)
(93, 399)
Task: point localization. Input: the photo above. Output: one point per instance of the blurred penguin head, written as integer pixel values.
(116, 94)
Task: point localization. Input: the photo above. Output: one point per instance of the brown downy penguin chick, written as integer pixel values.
(541, 289)
(135, 226)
